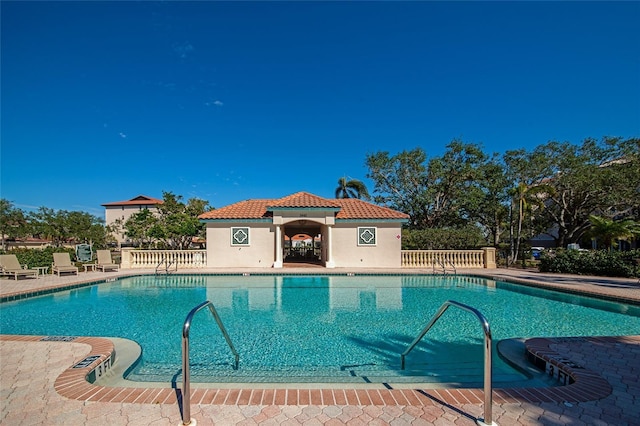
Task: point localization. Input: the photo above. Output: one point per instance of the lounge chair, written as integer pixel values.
(9, 265)
(62, 263)
(105, 263)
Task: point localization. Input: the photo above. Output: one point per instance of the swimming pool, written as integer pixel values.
(315, 328)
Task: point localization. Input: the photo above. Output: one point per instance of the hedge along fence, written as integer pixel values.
(466, 238)
(592, 262)
(38, 257)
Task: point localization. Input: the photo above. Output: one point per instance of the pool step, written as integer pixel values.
(469, 374)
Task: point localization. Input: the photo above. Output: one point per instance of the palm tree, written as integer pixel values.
(352, 188)
(526, 199)
(610, 230)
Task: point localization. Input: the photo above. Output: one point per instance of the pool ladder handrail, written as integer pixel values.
(186, 391)
(486, 329)
(168, 265)
(443, 265)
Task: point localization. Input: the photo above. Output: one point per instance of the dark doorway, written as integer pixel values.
(302, 245)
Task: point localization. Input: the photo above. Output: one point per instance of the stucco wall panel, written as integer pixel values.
(347, 253)
(260, 253)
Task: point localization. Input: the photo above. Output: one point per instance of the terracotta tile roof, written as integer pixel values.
(349, 208)
(140, 200)
(249, 209)
(353, 208)
(304, 199)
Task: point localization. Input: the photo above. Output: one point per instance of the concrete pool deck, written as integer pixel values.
(38, 385)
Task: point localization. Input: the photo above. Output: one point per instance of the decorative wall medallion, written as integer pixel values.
(240, 236)
(367, 236)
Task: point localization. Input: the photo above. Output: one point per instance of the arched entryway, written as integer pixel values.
(302, 243)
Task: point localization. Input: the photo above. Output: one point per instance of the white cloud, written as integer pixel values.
(182, 49)
(26, 206)
(122, 135)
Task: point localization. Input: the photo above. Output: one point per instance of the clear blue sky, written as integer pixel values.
(103, 101)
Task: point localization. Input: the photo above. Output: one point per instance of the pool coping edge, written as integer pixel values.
(73, 383)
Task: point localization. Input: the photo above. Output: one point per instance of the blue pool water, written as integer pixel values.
(315, 328)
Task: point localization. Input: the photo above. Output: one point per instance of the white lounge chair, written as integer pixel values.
(105, 263)
(62, 264)
(9, 265)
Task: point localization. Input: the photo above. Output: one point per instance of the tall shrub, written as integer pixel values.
(592, 262)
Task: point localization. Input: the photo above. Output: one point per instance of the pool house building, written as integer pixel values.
(338, 233)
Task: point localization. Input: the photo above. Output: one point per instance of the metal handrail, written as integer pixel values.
(455, 271)
(168, 265)
(439, 262)
(488, 397)
(186, 392)
(164, 258)
(443, 265)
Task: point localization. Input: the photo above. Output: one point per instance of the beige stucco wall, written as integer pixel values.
(385, 254)
(260, 253)
(113, 213)
(345, 251)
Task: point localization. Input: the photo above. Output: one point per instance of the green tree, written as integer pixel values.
(13, 222)
(85, 227)
(552, 189)
(114, 229)
(565, 183)
(454, 185)
(174, 226)
(178, 222)
(591, 178)
(50, 224)
(526, 200)
(352, 188)
(609, 230)
(488, 200)
(140, 227)
(194, 208)
(401, 182)
(62, 226)
(528, 174)
(438, 193)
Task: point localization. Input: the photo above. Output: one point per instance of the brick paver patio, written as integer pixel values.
(37, 385)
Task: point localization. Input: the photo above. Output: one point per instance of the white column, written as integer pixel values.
(329, 261)
(278, 262)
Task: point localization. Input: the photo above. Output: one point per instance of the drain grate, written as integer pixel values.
(58, 339)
